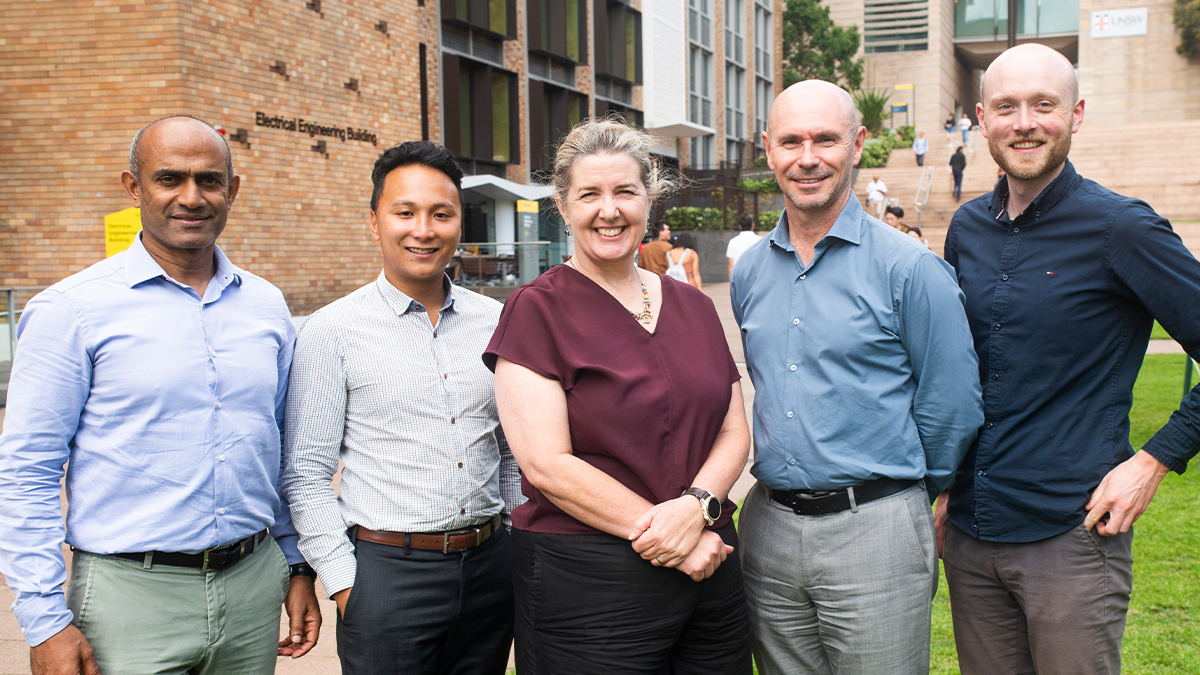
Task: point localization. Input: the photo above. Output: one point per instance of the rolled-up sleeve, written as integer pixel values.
(49, 385)
(948, 404)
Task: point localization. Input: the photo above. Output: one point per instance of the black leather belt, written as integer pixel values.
(212, 560)
(823, 502)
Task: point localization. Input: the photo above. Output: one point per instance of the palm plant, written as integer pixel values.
(872, 104)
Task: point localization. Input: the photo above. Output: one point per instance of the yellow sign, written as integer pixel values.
(526, 206)
(903, 86)
(119, 230)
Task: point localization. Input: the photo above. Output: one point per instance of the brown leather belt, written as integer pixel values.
(446, 542)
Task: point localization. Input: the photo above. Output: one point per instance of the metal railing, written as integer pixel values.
(504, 264)
(1188, 367)
(11, 315)
(924, 186)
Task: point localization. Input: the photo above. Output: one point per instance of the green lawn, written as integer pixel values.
(1163, 632)
(1159, 333)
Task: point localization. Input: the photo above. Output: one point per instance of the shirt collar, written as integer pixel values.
(1054, 193)
(847, 227)
(141, 267)
(402, 304)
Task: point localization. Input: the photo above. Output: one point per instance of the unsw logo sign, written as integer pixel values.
(1119, 23)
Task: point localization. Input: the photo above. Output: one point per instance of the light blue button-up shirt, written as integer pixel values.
(165, 406)
(862, 361)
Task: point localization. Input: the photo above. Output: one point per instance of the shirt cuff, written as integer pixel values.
(41, 617)
(336, 575)
(1165, 447)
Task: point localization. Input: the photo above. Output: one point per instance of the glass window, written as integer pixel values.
(895, 25)
(735, 12)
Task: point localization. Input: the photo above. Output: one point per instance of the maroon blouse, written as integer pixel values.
(643, 407)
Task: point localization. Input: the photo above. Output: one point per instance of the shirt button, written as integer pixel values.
(221, 511)
(460, 465)
(981, 473)
(991, 424)
(795, 322)
(1016, 230)
(996, 327)
(791, 460)
(222, 458)
(451, 420)
(445, 376)
(995, 376)
(789, 413)
(801, 276)
(218, 405)
(793, 366)
(1004, 277)
(1037, 214)
(462, 511)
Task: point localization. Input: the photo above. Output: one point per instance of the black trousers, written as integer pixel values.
(589, 604)
(422, 612)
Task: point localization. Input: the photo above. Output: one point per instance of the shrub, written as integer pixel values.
(765, 185)
(907, 133)
(873, 106)
(693, 218)
(767, 220)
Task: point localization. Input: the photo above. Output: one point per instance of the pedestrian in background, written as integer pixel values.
(964, 125)
(958, 163)
(949, 126)
(683, 262)
(876, 196)
(920, 147)
(744, 240)
(623, 407)
(653, 254)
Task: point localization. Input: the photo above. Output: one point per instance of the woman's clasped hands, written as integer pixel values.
(672, 534)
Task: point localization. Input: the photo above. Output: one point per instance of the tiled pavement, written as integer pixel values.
(14, 655)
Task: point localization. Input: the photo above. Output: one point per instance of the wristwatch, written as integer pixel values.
(301, 570)
(710, 506)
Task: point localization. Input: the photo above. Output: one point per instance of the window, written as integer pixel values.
(498, 17)
(895, 26)
(618, 41)
(735, 102)
(486, 130)
(764, 63)
(702, 152)
(558, 28)
(701, 84)
(553, 111)
(735, 17)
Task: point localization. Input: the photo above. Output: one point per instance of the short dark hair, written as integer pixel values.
(895, 211)
(683, 240)
(424, 153)
(745, 222)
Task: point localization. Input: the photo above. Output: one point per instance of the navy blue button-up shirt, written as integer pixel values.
(1060, 301)
(861, 361)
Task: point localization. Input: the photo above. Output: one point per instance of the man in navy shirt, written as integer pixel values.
(1062, 280)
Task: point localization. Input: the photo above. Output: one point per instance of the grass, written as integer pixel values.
(1163, 631)
(1162, 636)
(1159, 333)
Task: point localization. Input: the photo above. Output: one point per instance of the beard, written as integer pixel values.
(816, 202)
(1056, 150)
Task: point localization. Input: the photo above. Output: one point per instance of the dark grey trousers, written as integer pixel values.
(420, 612)
(1050, 607)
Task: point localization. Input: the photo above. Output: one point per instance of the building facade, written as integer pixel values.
(309, 92)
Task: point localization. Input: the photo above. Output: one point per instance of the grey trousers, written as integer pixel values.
(845, 593)
(178, 620)
(1051, 607)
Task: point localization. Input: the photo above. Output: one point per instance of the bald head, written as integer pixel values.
(1040, 60)
(815, 96)
(174, 124)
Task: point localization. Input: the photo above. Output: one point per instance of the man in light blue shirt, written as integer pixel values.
(158, 376)
(867, 397)
(920, 148)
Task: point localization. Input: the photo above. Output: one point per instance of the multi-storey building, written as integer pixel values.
(310, 91)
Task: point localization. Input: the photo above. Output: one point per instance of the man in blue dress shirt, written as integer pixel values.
(867, 397)
(1062, 279)
(158, 376)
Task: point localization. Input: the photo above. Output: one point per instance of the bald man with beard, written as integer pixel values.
(868, 397)
(1063, 279)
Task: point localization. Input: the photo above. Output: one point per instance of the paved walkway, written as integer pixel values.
(14, 654)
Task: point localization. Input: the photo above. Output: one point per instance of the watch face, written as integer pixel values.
(714, 509)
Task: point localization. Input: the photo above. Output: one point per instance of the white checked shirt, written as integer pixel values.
(410, 411)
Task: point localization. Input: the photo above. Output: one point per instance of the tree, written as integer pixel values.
(1187, 20)
(815, 49)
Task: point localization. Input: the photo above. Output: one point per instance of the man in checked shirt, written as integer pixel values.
(389, 379)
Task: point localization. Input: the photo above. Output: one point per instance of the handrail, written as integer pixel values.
(974, 144)
(924, 186)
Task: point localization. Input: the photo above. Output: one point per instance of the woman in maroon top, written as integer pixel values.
(621, 402)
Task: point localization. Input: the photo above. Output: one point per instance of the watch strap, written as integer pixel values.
(301, 570)
(707, 500)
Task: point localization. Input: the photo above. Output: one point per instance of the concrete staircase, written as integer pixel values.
(1145, 161)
